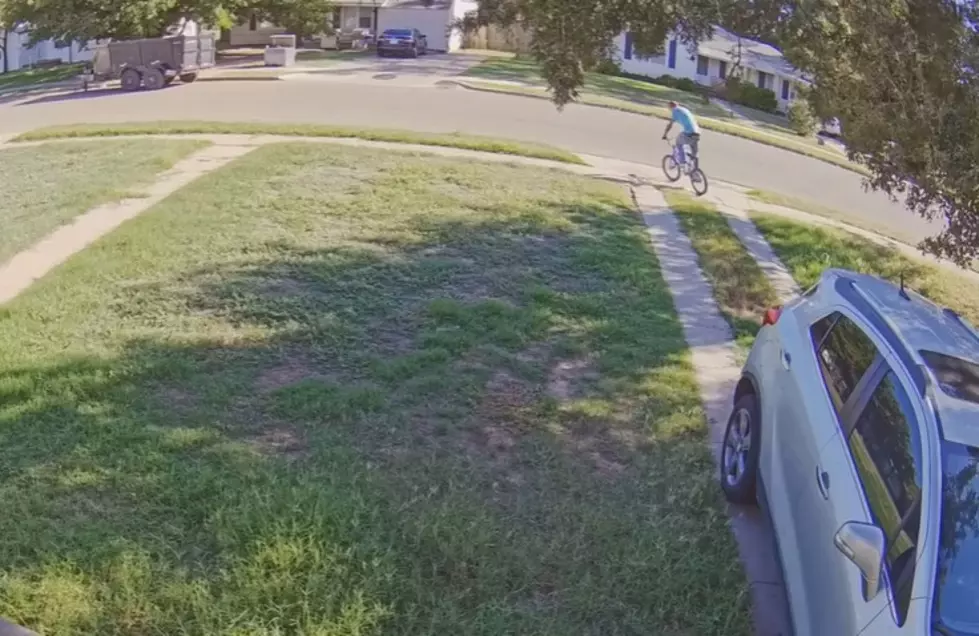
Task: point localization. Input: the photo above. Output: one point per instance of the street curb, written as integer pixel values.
(10, 629)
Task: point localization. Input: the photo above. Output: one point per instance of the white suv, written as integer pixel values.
(856, 425)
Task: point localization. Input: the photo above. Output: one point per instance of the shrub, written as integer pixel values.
(687, 84)
(608, 67)
(801, 117)
(750, 95)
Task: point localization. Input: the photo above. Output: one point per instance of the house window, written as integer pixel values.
(253, 22)
(627, 50)
(335, 19)
(366, 20)
(763, 81)
(671, 62)
(722, 70)
(785, 89)
(702, 65)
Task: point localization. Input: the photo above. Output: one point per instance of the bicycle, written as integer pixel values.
(673, 168)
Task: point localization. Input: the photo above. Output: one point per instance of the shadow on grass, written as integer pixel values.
(472, 427)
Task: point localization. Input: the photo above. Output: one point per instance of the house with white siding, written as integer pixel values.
(434, 18)
(22, 53)
(760, 64)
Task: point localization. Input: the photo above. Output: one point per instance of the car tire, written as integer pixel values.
(740, 451)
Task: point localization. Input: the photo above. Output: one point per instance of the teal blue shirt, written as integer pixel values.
(686, 120)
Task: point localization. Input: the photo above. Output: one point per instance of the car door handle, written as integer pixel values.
(786, 359)
(822, 482)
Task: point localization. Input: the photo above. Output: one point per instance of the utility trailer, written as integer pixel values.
(151, 63)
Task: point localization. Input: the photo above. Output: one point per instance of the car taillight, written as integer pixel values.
(771, 316)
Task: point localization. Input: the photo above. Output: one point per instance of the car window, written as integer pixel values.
(844, 352)
(398, 33)
(957, 583)
(886, 449)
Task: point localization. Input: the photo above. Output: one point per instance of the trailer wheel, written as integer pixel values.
(154, 79)
(187, 78)
(130, 79)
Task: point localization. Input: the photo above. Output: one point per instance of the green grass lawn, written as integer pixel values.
(741, 289)
(908, 236)
(807, 250)
(454, 140)
(47, 186)
(609, 86)
(327, 390)
(34, 77)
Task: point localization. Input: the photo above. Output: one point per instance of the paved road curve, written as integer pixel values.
(393, 104)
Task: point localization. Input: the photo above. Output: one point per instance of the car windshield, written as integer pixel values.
(956, 377)
(958, 556)
(398, 33)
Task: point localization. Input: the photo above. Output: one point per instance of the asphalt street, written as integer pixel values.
(385, 101)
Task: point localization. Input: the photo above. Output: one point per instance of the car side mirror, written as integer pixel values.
(865, 545)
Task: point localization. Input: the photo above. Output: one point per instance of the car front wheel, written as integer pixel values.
(739, 453)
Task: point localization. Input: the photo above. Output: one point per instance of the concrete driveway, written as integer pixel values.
(426, 70)
(437, 107)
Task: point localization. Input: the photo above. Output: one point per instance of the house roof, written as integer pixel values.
(754, 54)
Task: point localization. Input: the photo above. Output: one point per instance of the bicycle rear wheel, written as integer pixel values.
(699, 182)
(671, 168)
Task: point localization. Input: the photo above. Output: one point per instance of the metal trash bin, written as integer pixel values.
(281, 51)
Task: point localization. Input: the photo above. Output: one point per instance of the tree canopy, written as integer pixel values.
(299, 17)
(96, 19)
(901, 75)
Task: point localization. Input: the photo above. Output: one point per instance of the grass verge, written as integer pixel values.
(894, 231)
(596, 84)
(329, 390)
(47, 186)
(784, 142)
(466, 142)
(36, 76)
(741, 289)
(807, 250)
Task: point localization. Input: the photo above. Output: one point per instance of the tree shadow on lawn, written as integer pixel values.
(490, 430)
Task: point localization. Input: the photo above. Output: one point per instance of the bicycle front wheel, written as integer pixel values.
(671, 168)
(699, 182)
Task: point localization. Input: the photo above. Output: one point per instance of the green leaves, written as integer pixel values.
(92, 19)
(299, 17)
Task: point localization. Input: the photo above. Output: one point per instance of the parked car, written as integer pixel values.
(403, 42)
(856, 425)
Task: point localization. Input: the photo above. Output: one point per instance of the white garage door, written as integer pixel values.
(432, 22)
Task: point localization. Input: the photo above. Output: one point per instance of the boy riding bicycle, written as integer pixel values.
(691, 131)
